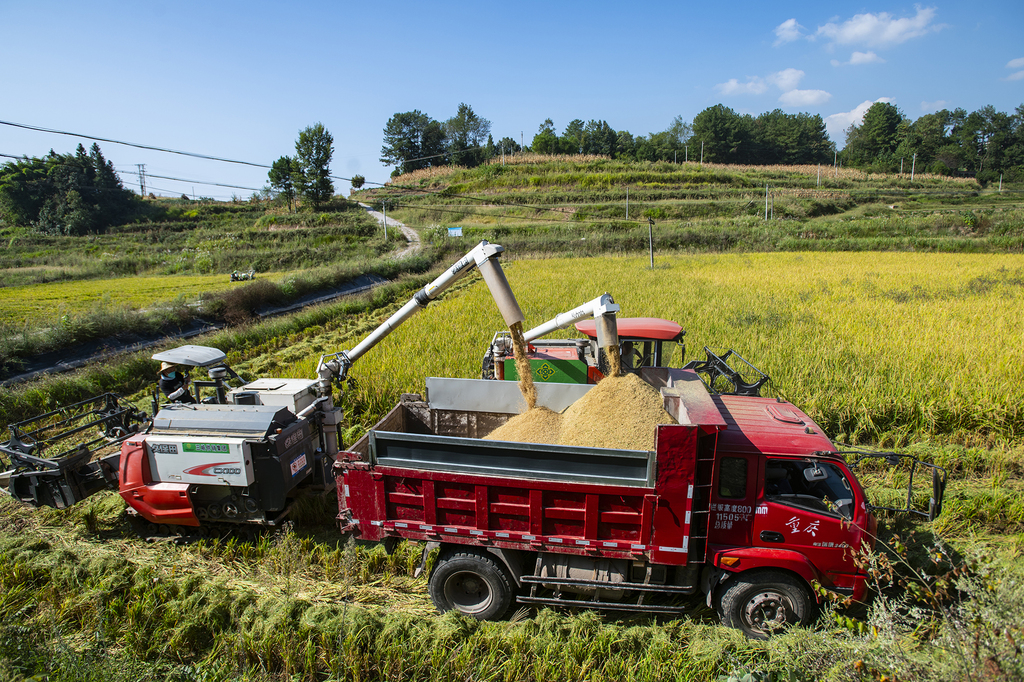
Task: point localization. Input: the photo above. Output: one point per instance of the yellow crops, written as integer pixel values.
(883, 346)
(44, 301)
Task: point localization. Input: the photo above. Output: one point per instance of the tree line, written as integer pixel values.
(414, 140)
(985, 144)
(70, 194)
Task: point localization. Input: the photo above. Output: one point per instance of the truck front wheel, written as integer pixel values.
(764, 603)
(472, 583)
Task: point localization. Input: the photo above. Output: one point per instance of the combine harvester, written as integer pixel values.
(744, 499)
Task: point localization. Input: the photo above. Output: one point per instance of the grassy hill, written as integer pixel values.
(568, 206)
(155, 275)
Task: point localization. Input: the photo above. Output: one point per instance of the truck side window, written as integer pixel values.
(732, 477)
(818, 486)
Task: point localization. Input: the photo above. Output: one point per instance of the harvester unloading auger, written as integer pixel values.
(239, 456)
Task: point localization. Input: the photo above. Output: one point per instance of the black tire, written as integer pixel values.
(765, 602)
(471, 582)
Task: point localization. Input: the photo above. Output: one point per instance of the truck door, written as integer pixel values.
(732, 500)
(806, 505)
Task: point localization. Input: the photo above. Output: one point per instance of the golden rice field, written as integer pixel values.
(46, 301)
(885, 347)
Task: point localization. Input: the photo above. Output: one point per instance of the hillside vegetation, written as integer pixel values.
(157, 274)
(578, 206)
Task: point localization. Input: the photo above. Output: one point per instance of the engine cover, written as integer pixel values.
(220, 462)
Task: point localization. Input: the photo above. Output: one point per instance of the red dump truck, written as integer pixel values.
(745, 500)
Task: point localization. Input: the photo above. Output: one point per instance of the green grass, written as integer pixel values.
(81, 599)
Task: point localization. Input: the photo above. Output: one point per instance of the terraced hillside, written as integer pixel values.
(570, 205)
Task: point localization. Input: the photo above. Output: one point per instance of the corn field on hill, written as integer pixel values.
(588, 205)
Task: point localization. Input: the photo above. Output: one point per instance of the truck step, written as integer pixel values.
(604, 584)
(603, 605)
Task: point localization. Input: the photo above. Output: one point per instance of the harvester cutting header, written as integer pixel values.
(735, 496)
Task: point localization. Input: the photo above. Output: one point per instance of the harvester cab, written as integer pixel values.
(199, 357)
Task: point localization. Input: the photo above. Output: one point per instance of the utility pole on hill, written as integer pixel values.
(142, 177)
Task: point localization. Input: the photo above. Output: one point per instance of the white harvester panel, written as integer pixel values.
(203, 460)
(295, 394)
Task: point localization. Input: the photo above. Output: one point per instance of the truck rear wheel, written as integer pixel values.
(472, 583)
(764, 603)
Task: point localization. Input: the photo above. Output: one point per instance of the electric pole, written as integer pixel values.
(142, 177)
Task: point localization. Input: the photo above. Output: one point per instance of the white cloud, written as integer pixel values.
(787, 79)
(753, 86)
(934, 106)
(804, 98)
(858, 58)
(880, 30)
(865, 58)
(1015, 76)
(837, 123)
(1015, 63)
(787, 32)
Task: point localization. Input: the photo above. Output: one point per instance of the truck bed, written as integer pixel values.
(424, 473)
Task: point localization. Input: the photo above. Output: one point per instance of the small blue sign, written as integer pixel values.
(454, 231)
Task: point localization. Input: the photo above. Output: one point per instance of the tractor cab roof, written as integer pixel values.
(653, 328)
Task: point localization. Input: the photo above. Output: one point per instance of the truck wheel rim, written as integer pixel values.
(467, 592)
(767, 611)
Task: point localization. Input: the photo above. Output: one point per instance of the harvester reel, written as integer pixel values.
(721, 378)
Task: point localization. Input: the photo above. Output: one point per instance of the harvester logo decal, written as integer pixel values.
(545, 372)
(217, 469)
(205, 447)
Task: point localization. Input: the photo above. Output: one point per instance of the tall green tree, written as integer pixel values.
(725, 135)
(313, 152)
(413, 140)
(467, 134)
(546, 139)
(283, 173)
(573, 138)
(876, 138)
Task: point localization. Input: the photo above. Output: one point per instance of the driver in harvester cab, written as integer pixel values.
(174, 384)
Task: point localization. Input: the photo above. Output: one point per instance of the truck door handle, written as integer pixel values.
(772, 536)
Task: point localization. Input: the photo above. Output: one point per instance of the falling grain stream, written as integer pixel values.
(620, 412)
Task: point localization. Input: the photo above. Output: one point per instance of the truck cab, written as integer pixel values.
(784, 502)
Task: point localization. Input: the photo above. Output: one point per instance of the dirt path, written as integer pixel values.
(412, 238)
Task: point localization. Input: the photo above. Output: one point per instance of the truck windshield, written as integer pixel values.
(817, 486)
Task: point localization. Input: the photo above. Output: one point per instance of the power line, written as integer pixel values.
(203, 182)
(131, 144)
(158, 149)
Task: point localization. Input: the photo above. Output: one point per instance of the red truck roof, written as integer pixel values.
(755, 425)
(637, 328)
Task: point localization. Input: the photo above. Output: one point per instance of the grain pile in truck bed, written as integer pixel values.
(539, 425)
(620, 412)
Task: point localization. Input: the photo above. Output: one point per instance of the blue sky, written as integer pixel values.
(239, 79)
